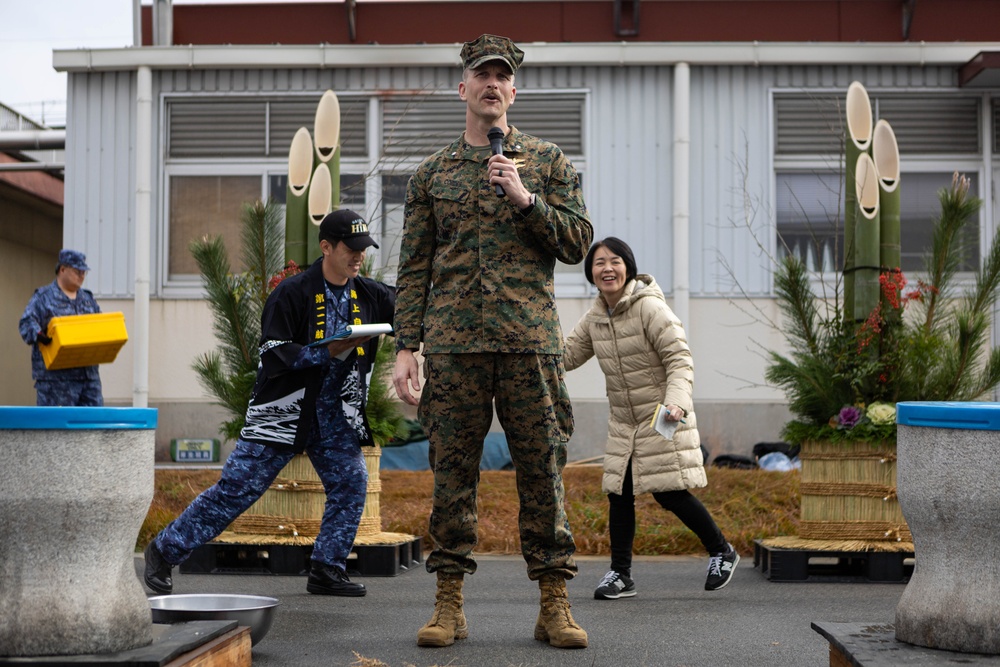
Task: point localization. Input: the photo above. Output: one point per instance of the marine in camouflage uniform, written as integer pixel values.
(63, 296)
(475, 288)
(490, 330)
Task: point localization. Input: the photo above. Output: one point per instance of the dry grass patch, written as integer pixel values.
(747, 504)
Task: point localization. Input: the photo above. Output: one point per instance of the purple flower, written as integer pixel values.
(849, 416)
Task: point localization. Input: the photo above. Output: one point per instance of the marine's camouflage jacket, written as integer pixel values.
(475, 275)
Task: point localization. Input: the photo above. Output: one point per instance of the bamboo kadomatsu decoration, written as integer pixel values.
(849, 488)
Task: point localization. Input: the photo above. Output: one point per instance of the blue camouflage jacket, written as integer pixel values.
(48, 302)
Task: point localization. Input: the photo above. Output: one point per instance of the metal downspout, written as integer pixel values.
(681, 194)
(143, 215)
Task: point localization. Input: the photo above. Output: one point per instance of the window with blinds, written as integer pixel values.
(412, 125)
(421, 124)
(228, 128)
(931, 124)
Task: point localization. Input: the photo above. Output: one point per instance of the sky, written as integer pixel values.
(32, 29)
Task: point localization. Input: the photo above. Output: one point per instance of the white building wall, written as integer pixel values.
(100, 178)
(627, 184)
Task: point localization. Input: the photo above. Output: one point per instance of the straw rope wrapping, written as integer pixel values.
(275, 525)
(849, 493)
(848, 489)
(800, 543)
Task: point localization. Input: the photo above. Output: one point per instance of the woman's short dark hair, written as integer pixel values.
(618, 247)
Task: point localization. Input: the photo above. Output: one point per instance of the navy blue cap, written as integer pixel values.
(73, 259)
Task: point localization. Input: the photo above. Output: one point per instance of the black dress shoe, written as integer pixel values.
(331, 580)
(157, 573)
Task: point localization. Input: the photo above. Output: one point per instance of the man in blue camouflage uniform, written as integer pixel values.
(307, 397)
(63, 296)
(476, 290)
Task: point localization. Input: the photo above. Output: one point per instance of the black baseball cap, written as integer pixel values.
(347, 226)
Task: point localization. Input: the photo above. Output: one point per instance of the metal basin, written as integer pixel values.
(255, 611)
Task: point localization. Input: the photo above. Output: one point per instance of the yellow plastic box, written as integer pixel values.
(84, 340)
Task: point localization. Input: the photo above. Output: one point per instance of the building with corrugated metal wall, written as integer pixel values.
(31, 212)
(700, 154)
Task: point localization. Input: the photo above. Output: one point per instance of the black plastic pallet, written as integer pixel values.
(371, 560)
(778, 564)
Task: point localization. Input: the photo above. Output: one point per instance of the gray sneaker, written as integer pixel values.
(614, 586)
(721, 568)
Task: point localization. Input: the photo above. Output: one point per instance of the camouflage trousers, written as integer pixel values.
(69, 393)
(456, 410)
(248, 473)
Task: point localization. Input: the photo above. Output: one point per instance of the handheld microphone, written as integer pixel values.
(495, 135)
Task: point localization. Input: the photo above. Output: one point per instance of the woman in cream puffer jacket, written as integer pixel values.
(642, 350)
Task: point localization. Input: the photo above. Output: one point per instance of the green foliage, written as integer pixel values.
(797, 432)
(930, 344)
(236, 301)
(384, 416)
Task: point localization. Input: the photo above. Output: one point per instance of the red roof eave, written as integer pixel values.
(36, 183)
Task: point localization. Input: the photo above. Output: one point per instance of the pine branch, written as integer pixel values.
(236, 302)
(262, 247)
(947, 248)
(796, 301)
(233, 320)
(986, 380)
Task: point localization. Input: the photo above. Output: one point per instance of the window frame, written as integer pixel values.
(980, 165)
(374, 166)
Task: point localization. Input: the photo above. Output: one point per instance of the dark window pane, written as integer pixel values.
(810, 220)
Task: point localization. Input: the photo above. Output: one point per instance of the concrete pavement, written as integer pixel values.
(672, 622)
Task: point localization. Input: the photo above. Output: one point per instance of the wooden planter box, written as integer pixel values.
(849, 492)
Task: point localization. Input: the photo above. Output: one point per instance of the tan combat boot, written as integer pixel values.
(448, 622)
(555, 624)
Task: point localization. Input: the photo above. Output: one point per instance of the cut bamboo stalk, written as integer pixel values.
(327, 131)
(319, 206)
(885, 154)
(858, 141)
(296, 203)
(327, 126)
(866, 237)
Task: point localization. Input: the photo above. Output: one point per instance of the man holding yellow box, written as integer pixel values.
(63, 296)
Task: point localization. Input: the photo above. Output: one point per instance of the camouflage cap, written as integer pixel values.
(491, 47)
(73, 259)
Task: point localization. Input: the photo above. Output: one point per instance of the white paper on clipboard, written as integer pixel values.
(662, 425)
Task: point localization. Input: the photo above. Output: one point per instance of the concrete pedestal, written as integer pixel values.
(75, 486)
(947, 479)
